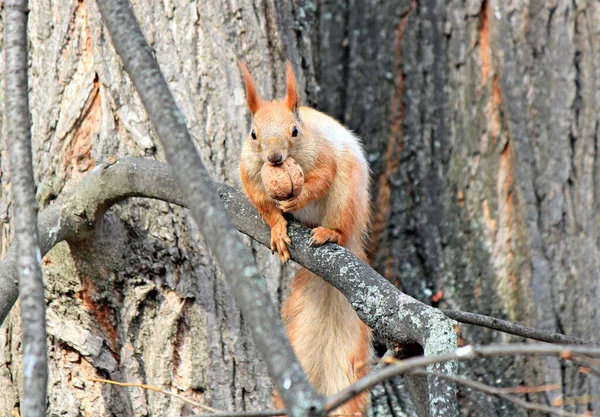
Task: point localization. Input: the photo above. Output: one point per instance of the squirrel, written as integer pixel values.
(332, 344)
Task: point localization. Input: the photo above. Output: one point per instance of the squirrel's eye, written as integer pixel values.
(294, 132)
(253, 134)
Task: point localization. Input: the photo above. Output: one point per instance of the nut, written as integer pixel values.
(284, 181)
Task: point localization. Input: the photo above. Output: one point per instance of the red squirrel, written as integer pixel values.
(331, 342)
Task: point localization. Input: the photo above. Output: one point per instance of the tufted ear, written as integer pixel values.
(292, 98)
(254, 100)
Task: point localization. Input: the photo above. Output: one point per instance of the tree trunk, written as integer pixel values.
(486, 189)
(479, 119)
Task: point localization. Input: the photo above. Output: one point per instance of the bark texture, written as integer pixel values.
(480, 120)
(128, 306)
(487, 187)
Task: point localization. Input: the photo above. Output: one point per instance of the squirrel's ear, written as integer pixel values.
(254, 100)
(292, 98)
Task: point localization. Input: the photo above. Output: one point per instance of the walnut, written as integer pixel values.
(284, 181)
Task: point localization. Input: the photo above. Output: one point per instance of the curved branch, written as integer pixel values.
(75, 213)
(393, 315)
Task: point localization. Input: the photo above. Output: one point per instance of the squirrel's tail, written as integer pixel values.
(331, 342)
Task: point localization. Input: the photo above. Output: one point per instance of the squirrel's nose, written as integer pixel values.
(275, 159)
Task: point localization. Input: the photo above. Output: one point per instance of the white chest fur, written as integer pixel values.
(312, 214)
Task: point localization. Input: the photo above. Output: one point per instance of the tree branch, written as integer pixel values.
(462, 354)
(234, 258)
(414, 365)
(74, 215)
(500, 393)
(31, 284)
(156, 389)
(513, 328)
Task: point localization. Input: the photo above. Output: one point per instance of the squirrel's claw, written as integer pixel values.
(321, 235)
(279, 242)
(288, 206)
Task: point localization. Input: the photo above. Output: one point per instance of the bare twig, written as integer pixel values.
(31, 285)
(461, 354)
(264, 413)
(584, 399)
(414, 365)
(234, 258)
(156, 389)
(500, 393)
(513, 328)
(530, 390)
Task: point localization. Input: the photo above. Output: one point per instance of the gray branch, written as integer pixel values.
(514, 328)
(234, 258)
(31, 285)
(465, 353)
(500, 393)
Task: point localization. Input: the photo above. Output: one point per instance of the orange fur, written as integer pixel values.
(252, 96)
(292, 99)
(331, 342)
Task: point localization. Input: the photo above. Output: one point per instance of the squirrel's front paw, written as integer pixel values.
(321, 235)
(288, 206)
(280, 240)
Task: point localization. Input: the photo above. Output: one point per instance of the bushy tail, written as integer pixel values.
(331, 342)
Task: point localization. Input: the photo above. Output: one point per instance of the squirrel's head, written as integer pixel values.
(276, 131)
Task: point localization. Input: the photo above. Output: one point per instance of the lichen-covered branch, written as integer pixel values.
(393, 315)
(29, 268)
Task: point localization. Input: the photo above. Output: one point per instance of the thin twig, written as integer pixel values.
(31, 284)
(584, 399)
(530, 390)
(498, 392)
(462, 354)
(587, 365)
(515, 329)
(156, 389)
(265, 413)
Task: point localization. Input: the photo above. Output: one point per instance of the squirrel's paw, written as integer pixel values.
(288, 206)
(279, 241)
(321, 235)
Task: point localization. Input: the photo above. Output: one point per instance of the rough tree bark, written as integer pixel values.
(485, 176)
(480, 121)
